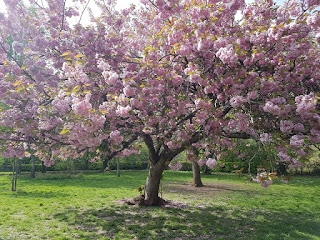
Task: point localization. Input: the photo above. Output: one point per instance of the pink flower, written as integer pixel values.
(296, 141)
(18, 47)
(235, 166)
(123, 111)
(201, 162)
(82, 107)
(129, 91)
(175, 167)
(237, 101)
(271, 108)
(284, 157)
(115, 137)
(286, 126)
(299, 127)
(265, 137)
(227, 55)
(211, 163)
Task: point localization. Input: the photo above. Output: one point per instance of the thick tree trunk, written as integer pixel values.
(105, 164)
(196, 175)
(151, 197)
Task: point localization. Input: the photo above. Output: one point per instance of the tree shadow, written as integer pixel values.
(218, 222)
(37, 194)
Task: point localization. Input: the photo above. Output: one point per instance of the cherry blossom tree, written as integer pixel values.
(174, 74)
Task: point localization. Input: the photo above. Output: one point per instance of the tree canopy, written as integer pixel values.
(171, 73)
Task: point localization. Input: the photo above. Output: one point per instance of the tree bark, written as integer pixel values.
(151, 197)
(196, 175)
(105, 164)
(14, 176)
(118, 168)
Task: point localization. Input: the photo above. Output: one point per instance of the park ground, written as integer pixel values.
(89, 206)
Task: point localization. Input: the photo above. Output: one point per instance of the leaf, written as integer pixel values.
(79, 56)
(86, 91)
(281, 25)
(66, 54)
(64, 131)
(19, 89)
(75, 89)
(17, 83)
(23, 67)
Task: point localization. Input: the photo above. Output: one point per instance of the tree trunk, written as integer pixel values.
(33, 171)
(151, 197)
(118, 168)
(18, 167)
(105, 164)
(14, 176)
(196, 175)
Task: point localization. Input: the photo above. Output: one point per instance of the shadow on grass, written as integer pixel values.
(131, 222)
(37, 194)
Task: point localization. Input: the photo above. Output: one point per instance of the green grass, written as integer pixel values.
(55, 206)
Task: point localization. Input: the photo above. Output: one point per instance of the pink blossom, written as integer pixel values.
(175, 167)
(284, 157)
(271, 108)
(123, 111)
(82, 107)
(299, 127)
(296, 141)
(211, 163)
(129, 91)
(237, 101)
(306, 104)
(227, 55)
(286, 126)
(252, 95)
(201, 162)
(110, 77)
(116, 137)
(295, 163)
(265, 137)
(18, 47)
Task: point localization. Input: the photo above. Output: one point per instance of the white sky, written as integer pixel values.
(121, 4)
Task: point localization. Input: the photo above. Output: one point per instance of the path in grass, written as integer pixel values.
(87, 207)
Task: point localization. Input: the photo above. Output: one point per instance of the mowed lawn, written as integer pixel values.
(87, 206)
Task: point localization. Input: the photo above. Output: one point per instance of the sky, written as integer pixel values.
(120, 5)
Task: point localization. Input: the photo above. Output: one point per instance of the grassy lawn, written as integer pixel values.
(86, 207)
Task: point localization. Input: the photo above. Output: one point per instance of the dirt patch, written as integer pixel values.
(164, 203)
(207, 189)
